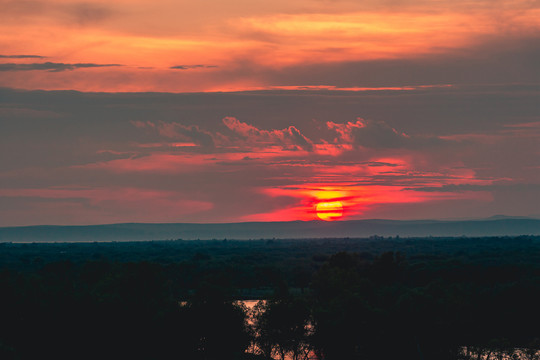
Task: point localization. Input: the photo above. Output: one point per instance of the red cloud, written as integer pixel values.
(290, 136)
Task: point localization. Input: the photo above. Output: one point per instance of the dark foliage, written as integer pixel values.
(341, 299)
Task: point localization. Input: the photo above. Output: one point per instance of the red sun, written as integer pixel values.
(329, 210)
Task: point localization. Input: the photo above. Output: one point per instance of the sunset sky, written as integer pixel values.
(213, 111)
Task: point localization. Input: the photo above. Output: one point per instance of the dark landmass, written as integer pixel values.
(377, 298)
(286, 255)
(496, 226)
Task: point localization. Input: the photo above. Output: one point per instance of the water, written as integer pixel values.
(466, 353)
(250, 305)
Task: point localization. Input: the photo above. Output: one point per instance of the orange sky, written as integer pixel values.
(226, 46)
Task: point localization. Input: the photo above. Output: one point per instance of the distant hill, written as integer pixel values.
(496, 226)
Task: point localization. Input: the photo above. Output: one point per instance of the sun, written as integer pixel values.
(329, 210)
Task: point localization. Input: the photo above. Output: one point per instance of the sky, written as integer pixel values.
(213, 111)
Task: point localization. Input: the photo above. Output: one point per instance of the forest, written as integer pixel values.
(332, 299)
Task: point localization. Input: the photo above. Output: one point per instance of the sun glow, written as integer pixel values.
(329, 211)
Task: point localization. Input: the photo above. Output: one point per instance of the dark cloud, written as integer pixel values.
(507, 59)
(473, 187)
(299, 139)
(189, 67)
(379, 163)
(181, 132)
(50, 66)
(22, 57)
(379, 135)
(197, 135)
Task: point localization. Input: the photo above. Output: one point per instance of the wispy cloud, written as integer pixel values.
(190, 67)
(86, 13)
(50, 66)
(474, 187)
(22, 57)
(80, 13)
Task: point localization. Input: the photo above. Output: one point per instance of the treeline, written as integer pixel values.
(442, 299)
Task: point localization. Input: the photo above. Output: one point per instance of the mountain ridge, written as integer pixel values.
(494, 226)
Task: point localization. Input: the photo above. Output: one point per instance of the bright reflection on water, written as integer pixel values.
(250, 307)
(249, 304)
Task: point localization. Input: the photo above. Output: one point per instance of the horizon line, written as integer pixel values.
(489, 218)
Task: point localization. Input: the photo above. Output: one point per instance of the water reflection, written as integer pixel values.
(301, 350)
(280, 335)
